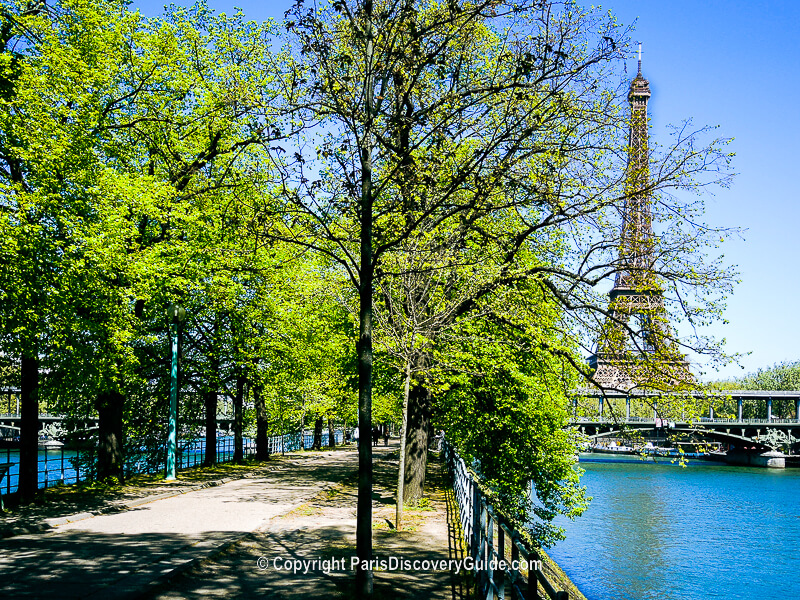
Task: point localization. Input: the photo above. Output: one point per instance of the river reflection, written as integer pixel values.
(664, 532)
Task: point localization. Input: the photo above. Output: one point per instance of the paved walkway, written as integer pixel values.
(324, 529)
(210, 542)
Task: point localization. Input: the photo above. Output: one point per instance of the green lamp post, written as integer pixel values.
(176, 314)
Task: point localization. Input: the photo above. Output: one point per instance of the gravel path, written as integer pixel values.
(124, 555)
(323, 530)
(234, 537)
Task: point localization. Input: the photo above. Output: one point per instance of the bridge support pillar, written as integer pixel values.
(739, 408)
(628, 408)
(575, 409)
(797, 409)
(769, 409)
(600, 402)
(711, 412)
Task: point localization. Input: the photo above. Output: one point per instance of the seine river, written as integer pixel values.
(662, 532)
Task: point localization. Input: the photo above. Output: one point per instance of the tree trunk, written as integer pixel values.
(317, 445)
(303, 427)
(419, 415)
(398, 520)
(331, 434)
(238, 418)
(366, 275)
(210, 398)
(110, 449)
(210, 402)
(29, 428)
(262, 424)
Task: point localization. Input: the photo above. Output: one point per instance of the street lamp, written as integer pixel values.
(176, 315)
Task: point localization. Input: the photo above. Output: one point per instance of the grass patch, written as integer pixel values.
(89, 489)
(411, 522)
(337, 549)
(304, 510)
(423, 505)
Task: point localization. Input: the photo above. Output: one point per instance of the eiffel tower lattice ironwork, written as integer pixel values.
(635, 348)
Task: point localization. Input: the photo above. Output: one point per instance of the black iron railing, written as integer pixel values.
(503, 565)
(62, 466)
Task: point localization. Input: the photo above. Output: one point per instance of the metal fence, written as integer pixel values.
(291, 441)
(61, 466)
(503, 565)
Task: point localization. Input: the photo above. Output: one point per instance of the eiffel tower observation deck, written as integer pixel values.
(636, 347)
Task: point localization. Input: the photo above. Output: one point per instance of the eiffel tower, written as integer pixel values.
(636, 348)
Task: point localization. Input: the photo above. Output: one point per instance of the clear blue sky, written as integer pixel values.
(736, 64)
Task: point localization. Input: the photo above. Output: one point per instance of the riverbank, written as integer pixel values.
(556, 575)
(208, 534)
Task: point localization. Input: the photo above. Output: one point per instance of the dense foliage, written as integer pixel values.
(783, 376)
(370, 195)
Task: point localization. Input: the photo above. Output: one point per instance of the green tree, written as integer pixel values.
(783, 376)
(437, 115)
(503, 384)
(199, 104)
(58, 63)
(118, 134)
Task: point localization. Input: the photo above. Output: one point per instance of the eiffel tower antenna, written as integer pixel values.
(629, 354)
(640, 58)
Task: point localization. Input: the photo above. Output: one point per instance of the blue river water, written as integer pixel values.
(60, 466)
(662, 532)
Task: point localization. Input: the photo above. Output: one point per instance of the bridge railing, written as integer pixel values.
(48, 416)
(735, 421)
(709, 420)
(502, 563)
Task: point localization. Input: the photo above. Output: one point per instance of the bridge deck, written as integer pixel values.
(702, 421)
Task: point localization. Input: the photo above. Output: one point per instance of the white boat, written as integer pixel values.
(613, 449)
(50, 444)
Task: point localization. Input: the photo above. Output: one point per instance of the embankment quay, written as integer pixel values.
(231, 536)
(283, 528)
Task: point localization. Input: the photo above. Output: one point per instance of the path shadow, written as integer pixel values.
(262, 565)
(85, 564)
(461, 584)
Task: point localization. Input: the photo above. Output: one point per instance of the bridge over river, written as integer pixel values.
(736, 430)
